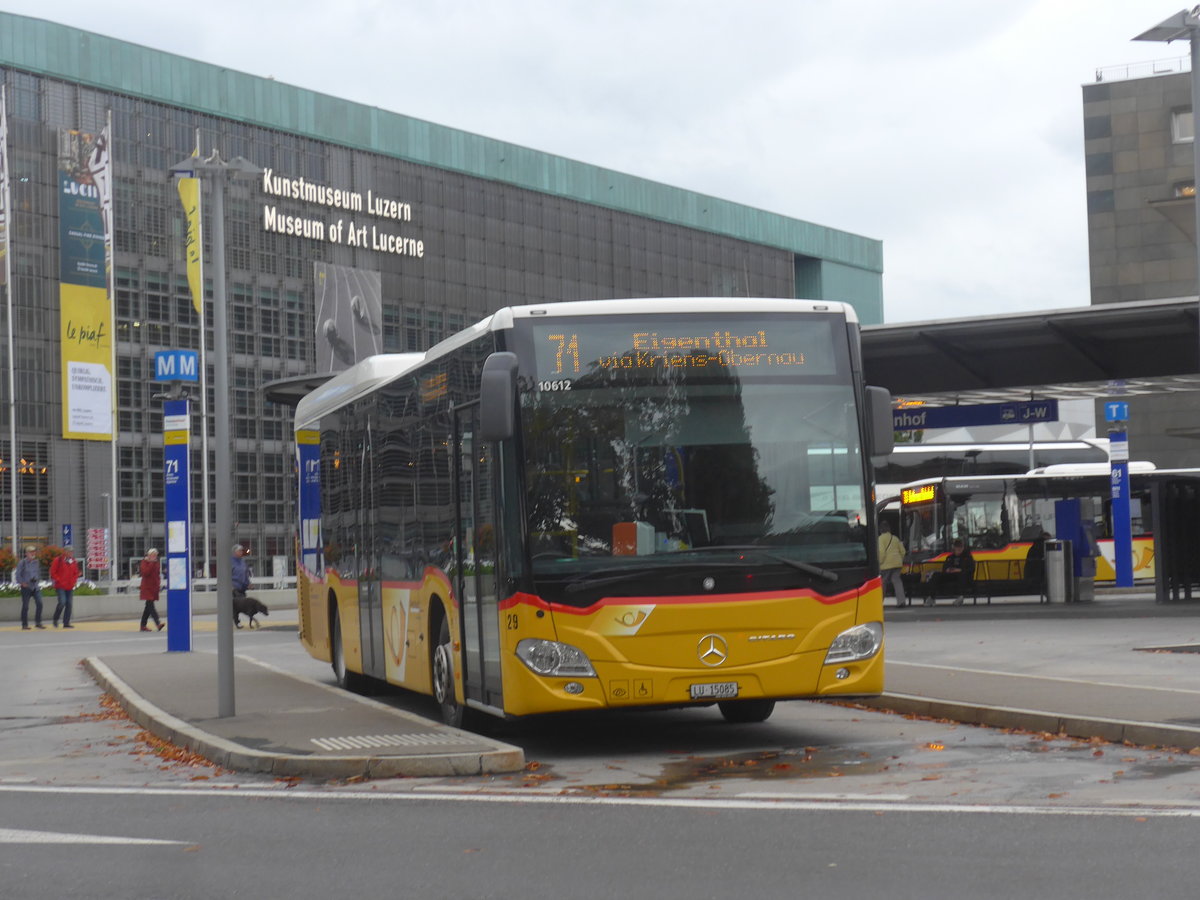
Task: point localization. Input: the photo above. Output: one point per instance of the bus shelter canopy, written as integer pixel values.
(1131, 348)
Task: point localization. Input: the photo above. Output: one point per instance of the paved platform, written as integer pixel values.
(287, 725)
(1121, 668)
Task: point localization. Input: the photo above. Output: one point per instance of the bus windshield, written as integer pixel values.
(691, 443)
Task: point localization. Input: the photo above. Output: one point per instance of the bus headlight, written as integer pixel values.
(859, 642)
(553, 658)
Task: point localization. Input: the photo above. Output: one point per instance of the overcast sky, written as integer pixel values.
(949, 129)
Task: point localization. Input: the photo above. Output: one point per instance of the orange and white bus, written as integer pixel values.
(599, 504)
(1000, 518)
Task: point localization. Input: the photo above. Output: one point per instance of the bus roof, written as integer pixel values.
(376, 371)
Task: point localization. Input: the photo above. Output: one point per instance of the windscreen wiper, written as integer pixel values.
(808, 568)
(613, 576)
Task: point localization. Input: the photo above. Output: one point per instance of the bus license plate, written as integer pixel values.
(721, 690)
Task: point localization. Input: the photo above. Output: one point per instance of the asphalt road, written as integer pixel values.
(675, 804)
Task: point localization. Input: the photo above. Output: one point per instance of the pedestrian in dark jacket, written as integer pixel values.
(64, 573)
(151, 585)
(959, 570)
(28, 575)
(241, 570)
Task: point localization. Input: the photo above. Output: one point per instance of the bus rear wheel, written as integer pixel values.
(742, 712)
(443, 677)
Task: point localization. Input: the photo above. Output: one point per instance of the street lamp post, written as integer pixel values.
(221, 172)
(1185, 25)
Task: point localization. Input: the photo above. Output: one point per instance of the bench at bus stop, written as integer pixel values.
(992, 577)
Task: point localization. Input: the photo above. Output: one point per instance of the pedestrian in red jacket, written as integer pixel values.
(151, 585)
(64, 574)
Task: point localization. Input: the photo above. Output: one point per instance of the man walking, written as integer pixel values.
(891, 561)
(241, 571)
(28, 575)
(64, 573)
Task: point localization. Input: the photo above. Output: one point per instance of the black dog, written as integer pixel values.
(249, 607)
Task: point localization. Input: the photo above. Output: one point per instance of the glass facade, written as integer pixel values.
(448, 246)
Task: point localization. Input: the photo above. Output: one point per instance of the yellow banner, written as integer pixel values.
(85, 330)
(189, 195)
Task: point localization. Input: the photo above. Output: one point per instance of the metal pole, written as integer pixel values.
(8, 295)
(206, 556)
(1194, 40)
(224, 530)
(110, 286)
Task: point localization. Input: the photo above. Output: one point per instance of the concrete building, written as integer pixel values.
(1141, 196)
(365, 224)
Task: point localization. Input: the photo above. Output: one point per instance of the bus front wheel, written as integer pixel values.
(351, 681)
(443, 677)
(745, 711)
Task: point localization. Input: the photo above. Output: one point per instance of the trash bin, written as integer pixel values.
(1060, 572)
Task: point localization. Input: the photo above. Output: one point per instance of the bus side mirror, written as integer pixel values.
(879, 419)
(498, 397)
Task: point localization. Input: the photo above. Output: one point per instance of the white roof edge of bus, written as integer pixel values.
(1135, 465)
(672, 304)
(353, 382)
(503, 318)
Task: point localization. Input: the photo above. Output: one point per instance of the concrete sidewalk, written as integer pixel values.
(287, 725)
(1121, 668)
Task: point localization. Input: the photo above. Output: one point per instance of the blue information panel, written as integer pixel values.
(178, 503)
(308, 464)
(1028, 412)
(1118, 452)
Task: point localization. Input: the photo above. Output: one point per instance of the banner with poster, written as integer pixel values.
(349, 315)
(85, 318)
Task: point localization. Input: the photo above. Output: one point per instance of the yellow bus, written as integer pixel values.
(598, 504)
(1000, 519)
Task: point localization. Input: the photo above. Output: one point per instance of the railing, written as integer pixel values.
(131, 585)
(1144, 69)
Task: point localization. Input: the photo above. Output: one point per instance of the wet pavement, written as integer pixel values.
(1117, 669)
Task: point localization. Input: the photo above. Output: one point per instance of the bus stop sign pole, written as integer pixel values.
(1117, 414)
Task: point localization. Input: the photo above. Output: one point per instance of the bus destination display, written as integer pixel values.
(569, 348)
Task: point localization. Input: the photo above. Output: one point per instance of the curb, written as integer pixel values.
(229, 755)
(1143, 734)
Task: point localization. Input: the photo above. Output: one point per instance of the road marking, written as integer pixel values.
(374, 741)
(781, 795)
(15, 836)
(235, 792)
(1085, 681)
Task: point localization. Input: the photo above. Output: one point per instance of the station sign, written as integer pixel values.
(1025, 412)
(1116, 411)
(176, 365)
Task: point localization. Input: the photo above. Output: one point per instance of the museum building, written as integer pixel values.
(363, 231)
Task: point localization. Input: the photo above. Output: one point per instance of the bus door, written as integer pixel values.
(475, 576)
(370, 609)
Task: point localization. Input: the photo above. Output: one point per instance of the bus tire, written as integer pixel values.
(350, 681)
(443, 677)
(741, 712)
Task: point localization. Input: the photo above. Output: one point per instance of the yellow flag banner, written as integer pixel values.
(189, 195)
